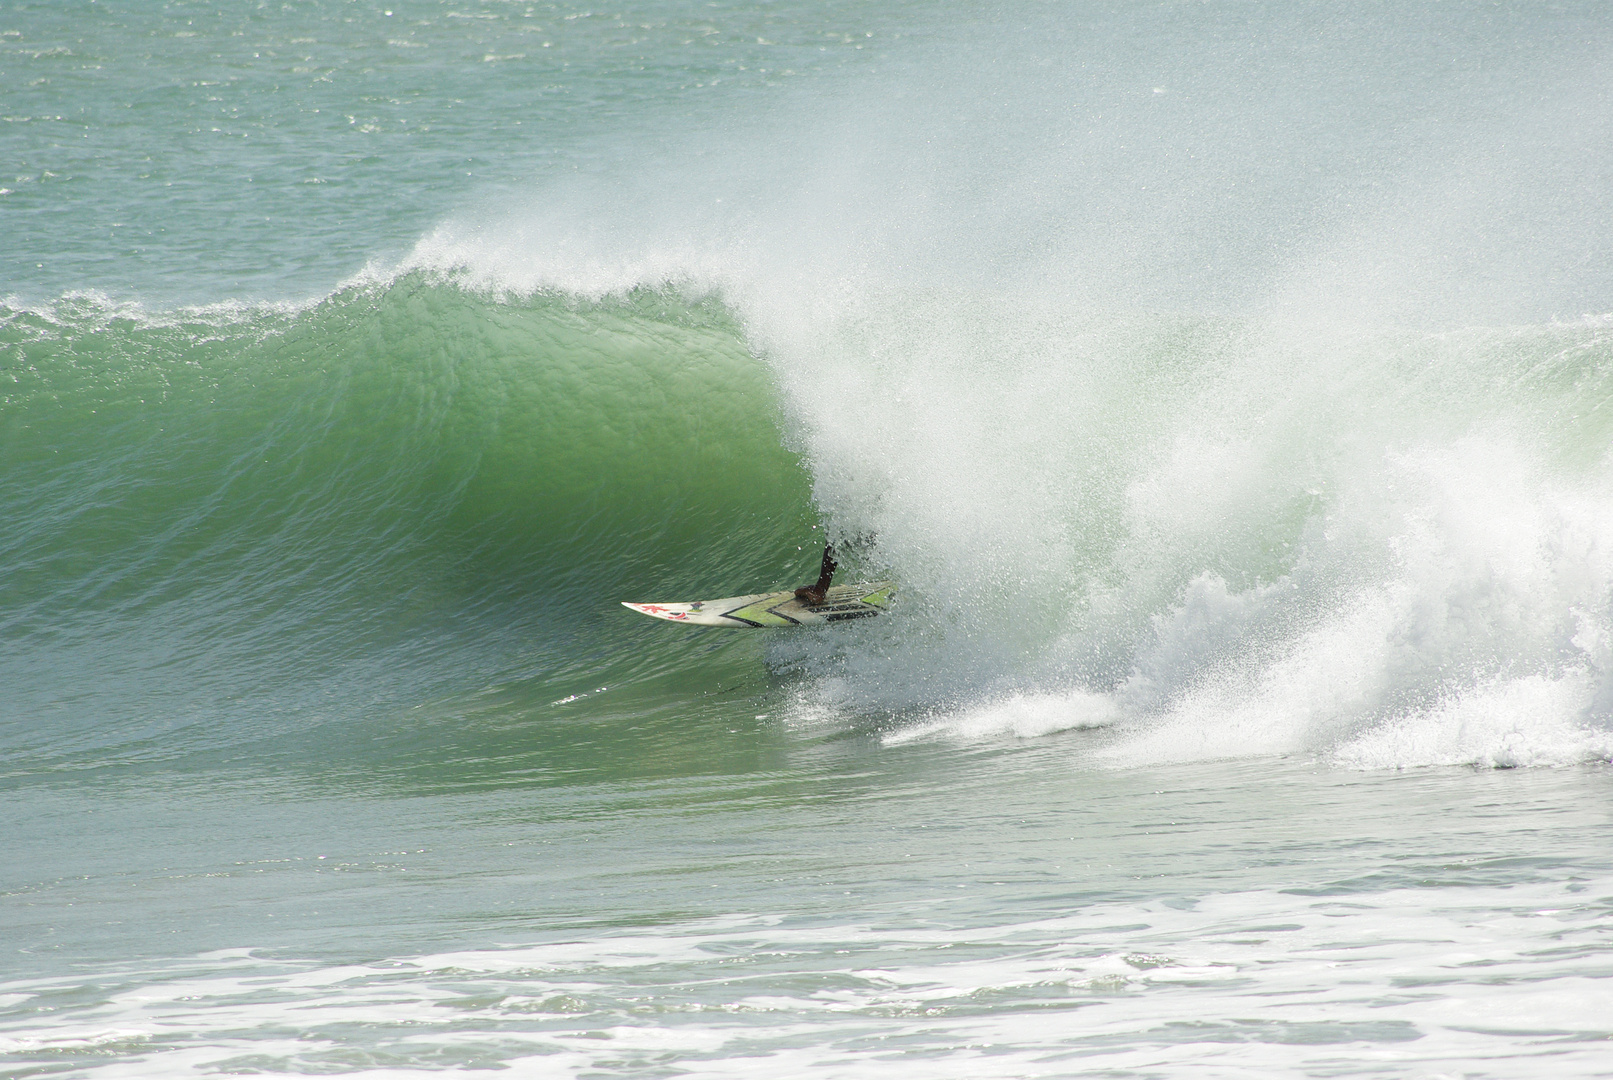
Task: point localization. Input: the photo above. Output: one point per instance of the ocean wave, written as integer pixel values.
(1208, 537)
(306, 505)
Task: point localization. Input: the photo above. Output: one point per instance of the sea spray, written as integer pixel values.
(1197, 371)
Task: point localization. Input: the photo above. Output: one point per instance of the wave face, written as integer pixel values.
(228, 525)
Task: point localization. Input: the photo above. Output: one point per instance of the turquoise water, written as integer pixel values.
(1227, 387)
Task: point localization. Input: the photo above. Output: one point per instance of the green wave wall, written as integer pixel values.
(395, 492)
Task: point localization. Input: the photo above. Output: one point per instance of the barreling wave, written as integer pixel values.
(228, 524)
(409, 507)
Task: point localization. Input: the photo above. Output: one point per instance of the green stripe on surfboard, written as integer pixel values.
(842, 603)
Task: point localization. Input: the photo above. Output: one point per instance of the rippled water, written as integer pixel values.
(996, 913)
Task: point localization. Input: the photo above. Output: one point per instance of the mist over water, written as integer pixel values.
(1225, 386)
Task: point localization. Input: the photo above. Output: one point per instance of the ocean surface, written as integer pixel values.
(1228, 386)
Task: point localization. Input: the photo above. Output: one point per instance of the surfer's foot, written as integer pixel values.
(810, 595)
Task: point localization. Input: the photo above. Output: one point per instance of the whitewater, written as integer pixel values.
(1227, 387)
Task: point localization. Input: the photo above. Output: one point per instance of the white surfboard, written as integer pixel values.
(842, 602)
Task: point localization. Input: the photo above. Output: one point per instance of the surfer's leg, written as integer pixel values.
(812, 595)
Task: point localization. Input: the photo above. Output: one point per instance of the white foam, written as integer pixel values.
(1507, 981)
(1531, 721)
(99, 310)
(1023, 716)
(1328, 677)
